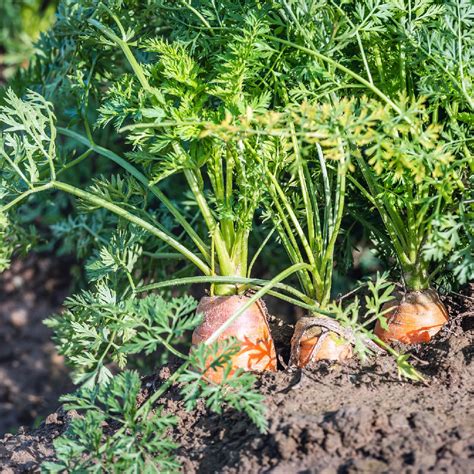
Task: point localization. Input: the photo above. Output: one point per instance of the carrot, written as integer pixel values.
(310, 344)
(414, 317)
(257, 352)
(331, 348)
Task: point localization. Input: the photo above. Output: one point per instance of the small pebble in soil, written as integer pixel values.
(19, 317)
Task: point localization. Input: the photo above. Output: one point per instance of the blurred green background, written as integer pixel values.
(21, 22)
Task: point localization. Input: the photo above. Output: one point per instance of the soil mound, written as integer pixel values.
(328, 418)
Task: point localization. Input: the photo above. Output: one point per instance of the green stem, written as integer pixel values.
(227, 224)
(75, 162)
(364, 59)
(402, 69)
(52, 145)
(16, 168)
(379, 64)
(198, 15)
(301, 300)
(142, 179)
(416, 276)
(259, 250)
(304, 189)
(397, 235)
(163, 255)
(328, 259)
(24, 195)
(137, 69)
(282, 196)
(359, 40)
(328, 208)
(249, 282)
(225, 264)
(239, 252)
(98, 201)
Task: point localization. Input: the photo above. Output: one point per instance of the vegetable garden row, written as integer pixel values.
(247, 146)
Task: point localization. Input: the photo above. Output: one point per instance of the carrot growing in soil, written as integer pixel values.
(411, 179)
(415, 170)
(305, 179)
(307, 185)
(409, 199)
(221, 176)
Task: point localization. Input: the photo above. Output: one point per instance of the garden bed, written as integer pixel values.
(32, 374)
(329, 418)
(243, 151)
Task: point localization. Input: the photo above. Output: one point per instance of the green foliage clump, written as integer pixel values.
(311, 118)
(6, 248)
(99, 327)
(140, 440)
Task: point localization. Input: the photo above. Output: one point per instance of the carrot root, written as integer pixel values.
(414, 317)
(257, 352)
(311, 343)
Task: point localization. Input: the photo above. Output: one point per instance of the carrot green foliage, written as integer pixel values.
(181, 130)
(141, 432)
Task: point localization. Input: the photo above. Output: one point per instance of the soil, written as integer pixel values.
(32, 374)
(330, 418)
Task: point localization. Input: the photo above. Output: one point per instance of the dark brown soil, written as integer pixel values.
(32, 374)
(328, 419)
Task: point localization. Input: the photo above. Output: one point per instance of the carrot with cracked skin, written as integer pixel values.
(314, 344)
(311, 236)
